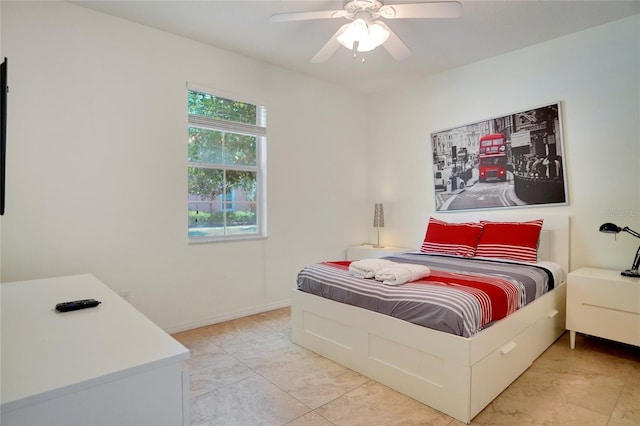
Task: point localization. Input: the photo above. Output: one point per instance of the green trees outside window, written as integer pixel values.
(225, 167)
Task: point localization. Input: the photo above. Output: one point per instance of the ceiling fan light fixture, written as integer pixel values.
(364, 32)
(356, 31)
(377, 34)
(368, 35)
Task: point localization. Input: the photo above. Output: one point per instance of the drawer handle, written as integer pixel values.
(553, 313)
(508, 348)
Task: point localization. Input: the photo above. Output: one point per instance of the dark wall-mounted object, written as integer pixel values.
(4, 89)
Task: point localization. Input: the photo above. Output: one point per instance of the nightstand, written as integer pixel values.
(603, 303)
(370, 252)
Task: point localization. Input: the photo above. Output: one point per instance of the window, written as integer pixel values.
(226, 168)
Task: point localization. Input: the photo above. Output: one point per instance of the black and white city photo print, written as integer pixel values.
(514, 160)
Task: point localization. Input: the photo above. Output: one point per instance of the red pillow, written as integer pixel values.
(458, 239)
(510, 240)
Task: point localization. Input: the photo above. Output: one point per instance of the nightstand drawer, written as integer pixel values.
(623, 297)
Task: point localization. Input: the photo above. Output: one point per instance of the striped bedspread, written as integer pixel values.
(461, 296)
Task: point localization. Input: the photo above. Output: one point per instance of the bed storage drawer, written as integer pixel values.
(496, 371)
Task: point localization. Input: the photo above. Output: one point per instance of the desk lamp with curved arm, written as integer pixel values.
(610, 228)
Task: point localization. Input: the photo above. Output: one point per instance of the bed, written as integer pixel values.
(456, 375)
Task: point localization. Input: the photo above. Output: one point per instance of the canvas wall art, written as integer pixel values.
(515, 160)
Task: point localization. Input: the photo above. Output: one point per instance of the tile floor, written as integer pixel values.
(248, 372)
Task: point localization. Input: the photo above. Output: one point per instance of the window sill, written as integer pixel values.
(207, 240)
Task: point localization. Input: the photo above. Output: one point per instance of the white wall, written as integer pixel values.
(97, 166)
(596, 75)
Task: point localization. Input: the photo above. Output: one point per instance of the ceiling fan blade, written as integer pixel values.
(329, 48)
(306, 16)
(442, 9)
(394, 45)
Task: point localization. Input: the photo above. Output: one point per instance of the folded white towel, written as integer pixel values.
(367, 268)
(401, 273)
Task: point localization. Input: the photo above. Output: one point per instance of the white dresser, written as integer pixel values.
(108, 365)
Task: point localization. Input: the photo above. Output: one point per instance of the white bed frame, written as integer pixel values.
(456, 375)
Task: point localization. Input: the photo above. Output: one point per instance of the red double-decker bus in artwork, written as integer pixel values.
(492, 158)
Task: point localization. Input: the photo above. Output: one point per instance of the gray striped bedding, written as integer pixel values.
(461, 296)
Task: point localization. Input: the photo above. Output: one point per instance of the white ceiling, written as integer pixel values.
(486, 29)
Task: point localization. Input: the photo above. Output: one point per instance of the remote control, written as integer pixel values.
(76, 304)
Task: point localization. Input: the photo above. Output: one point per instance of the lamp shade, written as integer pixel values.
(376, 36)
(610, 228)
(356, 31)
(378, 216)
(368, 35)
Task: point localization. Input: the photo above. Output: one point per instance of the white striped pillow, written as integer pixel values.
(458, 239)
(510, 240)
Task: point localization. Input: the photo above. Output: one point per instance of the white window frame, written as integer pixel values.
(260, 132)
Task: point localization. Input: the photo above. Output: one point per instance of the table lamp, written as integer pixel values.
(378, 220)
(610, 228)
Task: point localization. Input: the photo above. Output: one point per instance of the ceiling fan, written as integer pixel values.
(366, 31)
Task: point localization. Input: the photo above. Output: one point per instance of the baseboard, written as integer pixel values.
(228, 316)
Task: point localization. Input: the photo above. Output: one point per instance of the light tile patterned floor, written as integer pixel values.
(247, 372)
